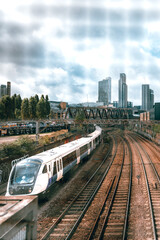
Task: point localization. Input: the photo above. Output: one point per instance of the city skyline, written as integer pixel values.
(63, 49)
(104, 94)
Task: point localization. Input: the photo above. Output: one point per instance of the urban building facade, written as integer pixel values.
(157, 111)
(9, 89)
(122, 103)
(5, 90)
(147, 97)
(115, 104)
(151, 98)
(152, 114)
(129, 104)
(104, 91)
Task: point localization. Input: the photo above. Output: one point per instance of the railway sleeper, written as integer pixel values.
(68, 220)
(114, 229)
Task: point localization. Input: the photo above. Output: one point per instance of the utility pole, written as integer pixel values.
(37, 131)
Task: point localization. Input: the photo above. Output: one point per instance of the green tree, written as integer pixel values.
(25, 109)
(2, 110)
(32, 107)
(8, 109)
(13, 107)
(18, 113)
(36, 98)
(47, 106)
(18, 101)
(41, 108)
(80, 116)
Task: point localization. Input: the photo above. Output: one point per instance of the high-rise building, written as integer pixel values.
(147, 97)
(151, 98)
(3, 90)
(104, 91)
(157, 111)
(9, 89)
(115, 104)
(122, 103)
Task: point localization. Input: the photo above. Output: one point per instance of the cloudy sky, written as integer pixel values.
(64, 47)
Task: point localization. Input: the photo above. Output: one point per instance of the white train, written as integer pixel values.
(36, 174)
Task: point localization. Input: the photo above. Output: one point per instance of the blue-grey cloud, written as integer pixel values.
(22, 52)
(76, 70)
(74, 44)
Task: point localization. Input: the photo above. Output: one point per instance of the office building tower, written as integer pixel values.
(3, 90)
(151, 98)
(104, 91)
(147, 97)
(9, 89)
(122, 103)
(157, 111)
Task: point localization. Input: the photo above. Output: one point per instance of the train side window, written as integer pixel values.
(49, 167)
(44, 169)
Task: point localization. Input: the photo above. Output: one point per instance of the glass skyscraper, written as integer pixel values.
(147, 97)
(122, 103)
(104, 91)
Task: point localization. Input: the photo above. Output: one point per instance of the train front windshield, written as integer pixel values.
(25, 172)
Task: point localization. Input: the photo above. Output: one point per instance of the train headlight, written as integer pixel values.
(30, 190)
(11, 191)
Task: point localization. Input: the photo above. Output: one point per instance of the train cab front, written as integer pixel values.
(23, 176)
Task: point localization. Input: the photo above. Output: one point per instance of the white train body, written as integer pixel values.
(36, 174)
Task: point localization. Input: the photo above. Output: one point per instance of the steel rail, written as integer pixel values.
(157, 147)
(152, 164)
(129, 194)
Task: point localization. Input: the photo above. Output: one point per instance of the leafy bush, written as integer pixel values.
(26, 143)
(17, 149)
(44, 140)
(12, 149)
(156, 128)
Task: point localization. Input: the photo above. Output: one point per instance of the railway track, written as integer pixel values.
(64, 226)
(151, 148)
(120, 200)
(110, 215)
(152, 187)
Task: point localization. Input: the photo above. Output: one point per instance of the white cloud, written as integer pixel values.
(63, 48)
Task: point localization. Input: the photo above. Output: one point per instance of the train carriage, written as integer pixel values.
(36, 174)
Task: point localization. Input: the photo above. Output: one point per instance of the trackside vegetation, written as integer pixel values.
(18, 148)
(28, 108)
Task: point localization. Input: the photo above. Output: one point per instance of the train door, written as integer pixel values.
(78, 155)
(59, 168)
(89, 148)
(49, 173)
(53, 171)
(92, 144)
